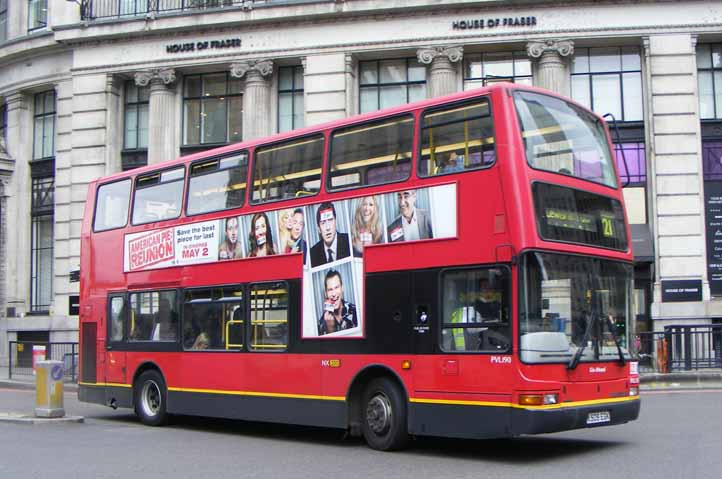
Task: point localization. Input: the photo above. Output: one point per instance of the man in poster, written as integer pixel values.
(412, 223)
(295, 242)
(333, 245)
(338, 314)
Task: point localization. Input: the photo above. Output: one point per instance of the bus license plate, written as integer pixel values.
(598, 417)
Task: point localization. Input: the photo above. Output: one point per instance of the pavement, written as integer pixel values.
(28, 382)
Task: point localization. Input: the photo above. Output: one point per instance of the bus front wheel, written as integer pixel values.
(384, 416)
(150, 398)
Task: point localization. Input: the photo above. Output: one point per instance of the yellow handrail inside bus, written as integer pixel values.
(432, 153)
(466, 144)
(228, 328)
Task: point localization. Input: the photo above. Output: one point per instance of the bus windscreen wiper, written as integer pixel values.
(590, 322)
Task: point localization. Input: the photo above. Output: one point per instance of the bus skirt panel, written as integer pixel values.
(105, 394)
(308, 411)
(458, 420)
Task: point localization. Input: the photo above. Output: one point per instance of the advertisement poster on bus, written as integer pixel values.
(340, 232)
(331, 236)
(182, 245)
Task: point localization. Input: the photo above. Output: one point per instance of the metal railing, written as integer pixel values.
(23, 354)
(681, 348)
(95, 9)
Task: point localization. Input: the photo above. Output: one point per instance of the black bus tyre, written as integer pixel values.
(150, 398)
(384, 416)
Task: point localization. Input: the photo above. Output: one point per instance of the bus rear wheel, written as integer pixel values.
(150, 398)
(384, 416)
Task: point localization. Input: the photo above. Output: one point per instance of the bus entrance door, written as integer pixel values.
(115, 360)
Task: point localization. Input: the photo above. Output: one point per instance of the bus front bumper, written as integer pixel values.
(564, 418)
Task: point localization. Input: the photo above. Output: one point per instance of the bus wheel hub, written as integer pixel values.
(378, 414)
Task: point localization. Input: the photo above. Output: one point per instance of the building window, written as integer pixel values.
(609, 80)
(135, 134)
(212, 109)
(44, 122)
(632, 168)
(387, 83)
(712, 160)
(709, 78)
(290, 98)
(130, 7)
(3, 20)
(37, 14)
(41, 264)
(482, 69)
(631, 163)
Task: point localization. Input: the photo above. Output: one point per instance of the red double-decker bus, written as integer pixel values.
(459, 266)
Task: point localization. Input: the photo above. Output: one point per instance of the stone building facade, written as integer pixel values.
(90, 87)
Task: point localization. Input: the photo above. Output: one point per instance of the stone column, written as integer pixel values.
(256, 96)
(16, 203)
(551, 64)
(328, 87)
(162, 132)
(442, 73)
(676, 177)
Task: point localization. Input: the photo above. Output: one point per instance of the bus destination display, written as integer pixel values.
(575, 216)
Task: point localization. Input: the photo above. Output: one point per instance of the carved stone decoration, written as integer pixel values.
(262, 67)
(166, 76)
(442, 72)
(551, 64)
(427, 55)
(562, 48)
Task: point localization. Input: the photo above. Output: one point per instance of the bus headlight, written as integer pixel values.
(634, 391)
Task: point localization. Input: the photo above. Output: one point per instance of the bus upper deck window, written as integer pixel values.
(288, 170)
(457, 138)
(563, 138)
(158, 196)
(217, 184)
(371, 153)
(111, 205)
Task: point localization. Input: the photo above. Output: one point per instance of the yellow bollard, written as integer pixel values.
(49, 389)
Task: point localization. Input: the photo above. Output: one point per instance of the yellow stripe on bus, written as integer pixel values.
(258, 394)
(590, 402)
(453, 402)
(116, 385)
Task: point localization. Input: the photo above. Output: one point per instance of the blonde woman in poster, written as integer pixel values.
(367, 225)
(285, 226)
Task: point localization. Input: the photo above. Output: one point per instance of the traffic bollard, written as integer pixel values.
(49, 389)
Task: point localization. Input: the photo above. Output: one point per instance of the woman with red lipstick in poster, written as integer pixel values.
(260, 237)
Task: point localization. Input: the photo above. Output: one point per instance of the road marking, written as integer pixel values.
(681, 391)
